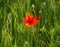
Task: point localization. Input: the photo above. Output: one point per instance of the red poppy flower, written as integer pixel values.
(30, 20)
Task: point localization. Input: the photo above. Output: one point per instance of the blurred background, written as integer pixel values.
(13, 32)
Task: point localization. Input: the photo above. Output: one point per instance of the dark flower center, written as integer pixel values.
(30, 22)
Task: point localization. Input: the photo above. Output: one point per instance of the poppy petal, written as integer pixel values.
(38, 17)
(27, 24)
(34, 22)
(30, 17)
(25, 20)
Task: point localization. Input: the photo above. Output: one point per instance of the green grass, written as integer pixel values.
(13, 32)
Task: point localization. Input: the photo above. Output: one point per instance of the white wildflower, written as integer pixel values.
(40, 11)
(26, 44)
(33, 6)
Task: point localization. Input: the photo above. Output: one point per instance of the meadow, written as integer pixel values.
(14, 33)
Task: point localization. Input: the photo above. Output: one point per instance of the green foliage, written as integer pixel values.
(13, 32)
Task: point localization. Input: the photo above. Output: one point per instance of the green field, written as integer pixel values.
(13, 32)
